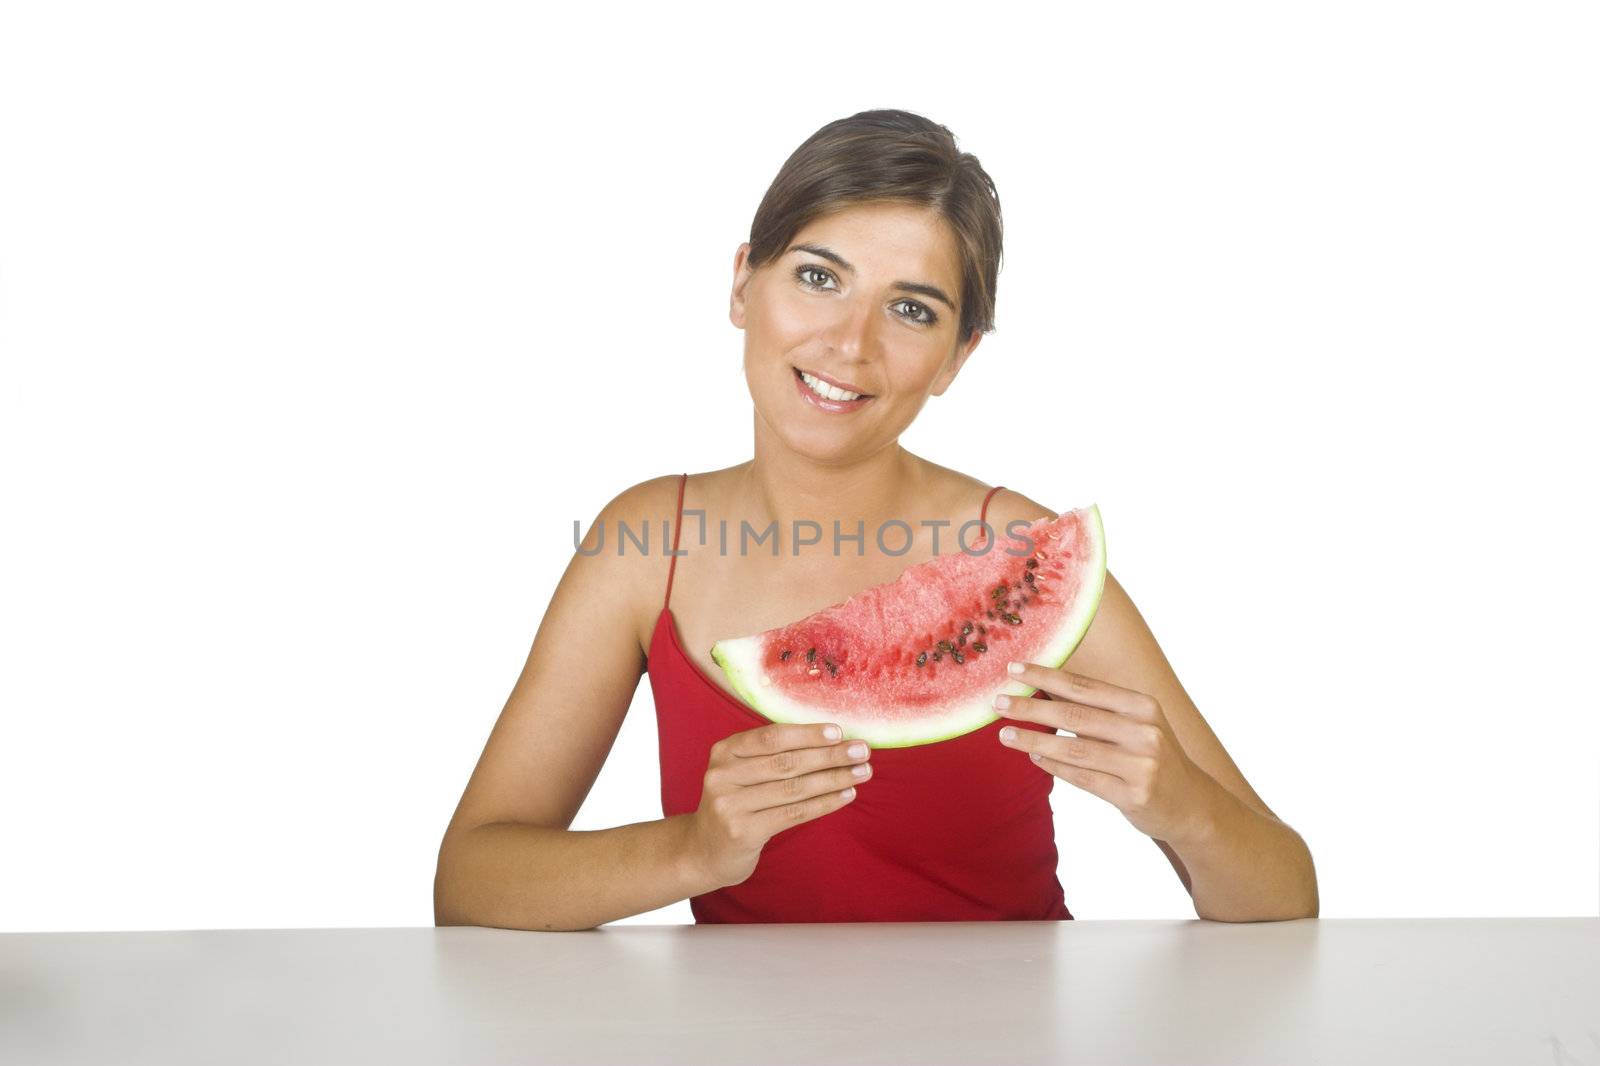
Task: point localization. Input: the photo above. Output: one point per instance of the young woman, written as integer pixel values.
(866, 285)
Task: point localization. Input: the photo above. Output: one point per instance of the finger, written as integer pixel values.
(794, 797)
(780, 736)
(793, 762)
(769, 823)
(1086, 690)
(1072, 717)
(1114, 790)
(1104, 756)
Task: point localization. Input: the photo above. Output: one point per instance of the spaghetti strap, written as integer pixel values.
(983, 515)
(677, 526)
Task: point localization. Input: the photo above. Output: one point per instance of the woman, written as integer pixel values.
(868, 282)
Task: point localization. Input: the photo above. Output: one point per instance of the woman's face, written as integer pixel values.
(866, 299)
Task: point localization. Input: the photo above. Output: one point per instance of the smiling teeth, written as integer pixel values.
(826, 391)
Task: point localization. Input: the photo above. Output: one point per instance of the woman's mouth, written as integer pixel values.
(827, 395)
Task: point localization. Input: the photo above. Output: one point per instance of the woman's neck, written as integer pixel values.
(780, 487)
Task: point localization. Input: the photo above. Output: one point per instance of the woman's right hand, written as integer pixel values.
(762, 781)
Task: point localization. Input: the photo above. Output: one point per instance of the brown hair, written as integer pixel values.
(890, 155)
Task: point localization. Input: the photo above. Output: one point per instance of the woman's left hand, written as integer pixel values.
(1124, 752)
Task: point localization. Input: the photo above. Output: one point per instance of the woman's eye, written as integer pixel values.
(921, 315)
(805, 270)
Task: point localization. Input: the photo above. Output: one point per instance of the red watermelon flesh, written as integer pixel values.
(921, 658)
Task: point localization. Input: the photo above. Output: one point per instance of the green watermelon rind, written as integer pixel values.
(731, 655)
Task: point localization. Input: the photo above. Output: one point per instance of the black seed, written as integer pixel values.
(979, 646)
(989, 613)
(1028, 577)
(811, 655)
(833, 670)
(943, 645)
(961, 641)
(966, 628)
(984, 628)
(957, 657)
(1013, 619)
(783, 655)
(1032, 563)
(1025, 599)
(922, 657)
(937, 656)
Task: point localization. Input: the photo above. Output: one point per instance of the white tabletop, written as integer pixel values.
(1494, 990)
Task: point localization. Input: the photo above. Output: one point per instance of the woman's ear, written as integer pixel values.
(741, 278)
(949, 373)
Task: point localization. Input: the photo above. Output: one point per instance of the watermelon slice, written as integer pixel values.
(921, 659)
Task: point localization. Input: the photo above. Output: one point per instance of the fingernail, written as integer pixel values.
(832, 732)
(1015, 668)
(1002, 702)
(1009, 733)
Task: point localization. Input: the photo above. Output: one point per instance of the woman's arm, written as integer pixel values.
(1239, 861)
(515, 875)
(1243, 863)
(508, 858)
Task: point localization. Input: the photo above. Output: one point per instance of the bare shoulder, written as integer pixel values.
(1008, 505)
(626, 547)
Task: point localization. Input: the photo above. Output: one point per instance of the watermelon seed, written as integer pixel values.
(1032, 563)
(813, 671)
(961, 641)
(1013, 619)
(833, 668)
(943, 645)
(1053, 535)
(811, 655)
(957, 657)
(1044, 554)
(937, 656)
(966, 628)
(979, 646)
(1028, 577)
(983, 628)
(783, 656)
(922, 657)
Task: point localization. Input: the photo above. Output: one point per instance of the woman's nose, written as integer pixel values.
(850, 331)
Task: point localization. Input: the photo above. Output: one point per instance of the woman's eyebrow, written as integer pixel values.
(920, 288)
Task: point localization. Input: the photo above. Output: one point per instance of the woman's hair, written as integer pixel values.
(889, 155)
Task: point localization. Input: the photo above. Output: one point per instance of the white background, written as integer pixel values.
(322, 322)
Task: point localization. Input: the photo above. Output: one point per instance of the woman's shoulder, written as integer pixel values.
(1009, 505)
(655, 500)
(643, 501)
(964, 494)
(625, 552)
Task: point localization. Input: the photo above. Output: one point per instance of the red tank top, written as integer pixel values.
(958, 830)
